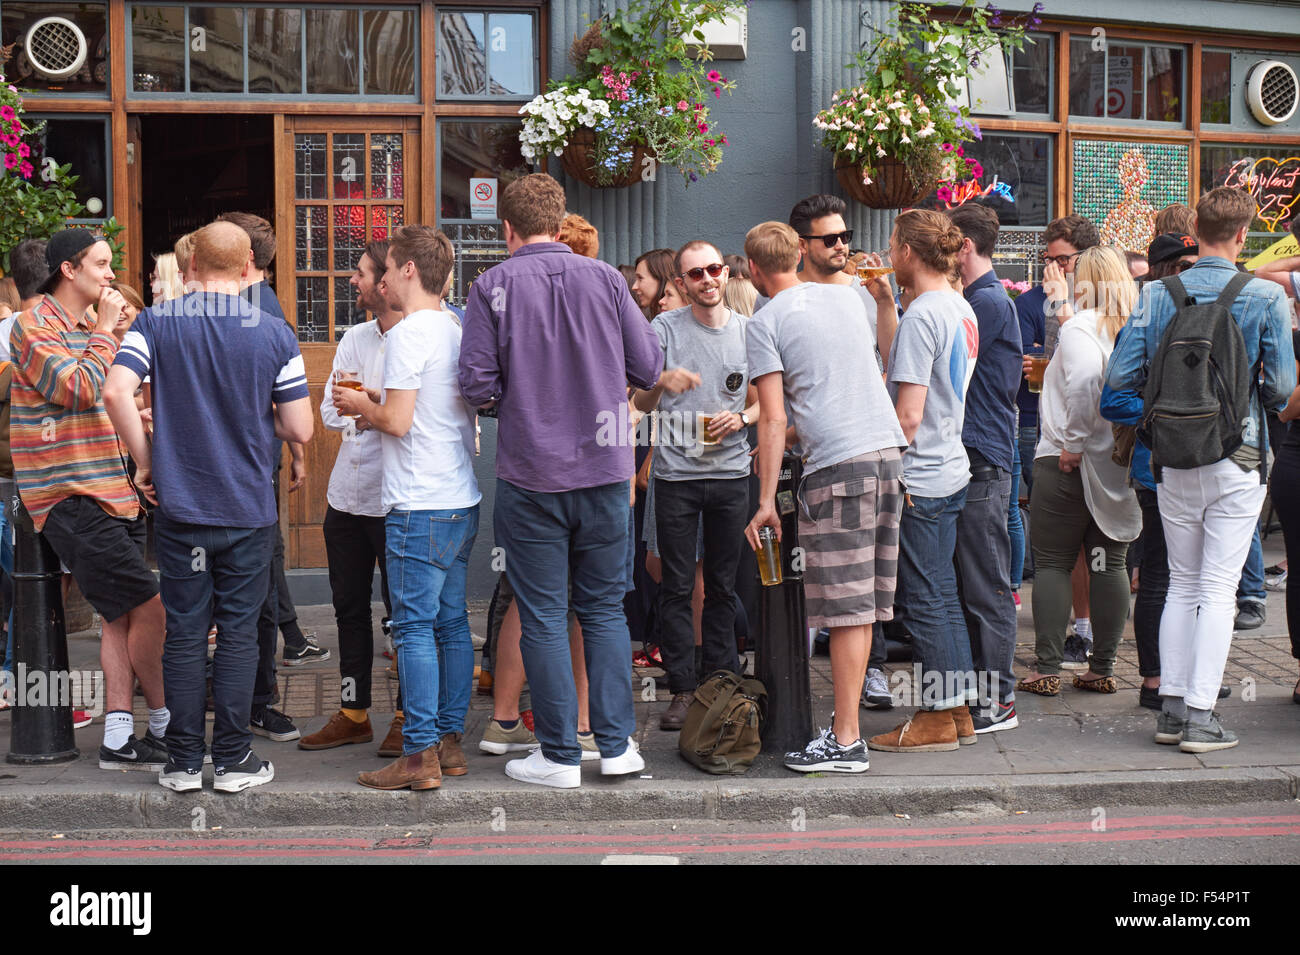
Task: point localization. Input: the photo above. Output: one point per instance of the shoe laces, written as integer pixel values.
(824, 742)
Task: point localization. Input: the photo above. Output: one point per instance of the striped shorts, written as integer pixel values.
(848, 529)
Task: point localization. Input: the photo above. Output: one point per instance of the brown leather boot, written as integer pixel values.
(928, 731)
(339, 731)
(451, 756)
(392, 744)
(675, 716)
(965, 728)
(417, 771)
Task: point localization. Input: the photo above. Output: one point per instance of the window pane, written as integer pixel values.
(510, 58)
(313, 309)
(1164, 87)
(1016, 182)
(83, 144)
(332, 54)
(473, 151)
(1216, 86)
(1124, 82)
(383, 220)
(310, 177)
(311, 239)
(386, 166)
(274, 51)
(157, 49)
(1032, 70)
(216, 50)
(349, 236)
(56, 46)
(462, 60)
(349, 165)
(1272, 176)
(390, 52)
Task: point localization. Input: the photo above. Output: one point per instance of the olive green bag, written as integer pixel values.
(721, 732)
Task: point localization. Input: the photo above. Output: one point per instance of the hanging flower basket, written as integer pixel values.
(579, 161)
(891, 186)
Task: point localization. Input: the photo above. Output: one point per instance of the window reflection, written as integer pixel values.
(474, 150)
(274, 50)
(332, 54)
(216, 50)
(157, 49)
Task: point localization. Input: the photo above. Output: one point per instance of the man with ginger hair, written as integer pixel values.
(214, 526)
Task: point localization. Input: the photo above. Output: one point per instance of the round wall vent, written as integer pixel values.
(56, 47)
(1272, 92)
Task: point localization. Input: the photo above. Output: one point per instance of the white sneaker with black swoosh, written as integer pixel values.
(996, 717)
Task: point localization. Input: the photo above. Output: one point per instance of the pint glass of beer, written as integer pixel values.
(350, 379)
(769, 557)
(702, 422)
(1037, 368)
(874, 266)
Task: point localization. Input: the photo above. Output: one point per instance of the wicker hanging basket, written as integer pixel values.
(891, 186)
(579, 161)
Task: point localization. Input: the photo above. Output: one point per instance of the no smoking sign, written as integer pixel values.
(482, 198)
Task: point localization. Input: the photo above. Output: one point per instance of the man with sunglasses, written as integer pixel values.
(701, 471)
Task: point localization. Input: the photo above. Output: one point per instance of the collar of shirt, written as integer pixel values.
(50, 304)
(987, 280)
(538, 248)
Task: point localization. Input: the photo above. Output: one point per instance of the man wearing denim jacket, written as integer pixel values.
(1208, 512)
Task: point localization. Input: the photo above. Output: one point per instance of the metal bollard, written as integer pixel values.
(782, 645)
(40, 732)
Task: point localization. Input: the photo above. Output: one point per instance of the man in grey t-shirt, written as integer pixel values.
(701, 470)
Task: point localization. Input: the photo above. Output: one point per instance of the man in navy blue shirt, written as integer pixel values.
(988, 432)
(228, 382)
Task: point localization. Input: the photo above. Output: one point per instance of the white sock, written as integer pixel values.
(158, 720)
(118, 727)
(1083, 627)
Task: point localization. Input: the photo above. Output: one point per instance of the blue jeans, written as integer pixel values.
(1015, 523)
(549, 537)
(1028, 435)
(211, 574)
(428, 563)
(927, 585)
(1251, 588)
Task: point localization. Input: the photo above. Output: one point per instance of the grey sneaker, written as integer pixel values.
(1207, 737)
(875, 691)
(497, 740)
(1169, 729)
(1076, 653)
(589, 750)
(248, 772)
(1250, 616)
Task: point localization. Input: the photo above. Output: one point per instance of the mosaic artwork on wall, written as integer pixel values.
(1121, 186)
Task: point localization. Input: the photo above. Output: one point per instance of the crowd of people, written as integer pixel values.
(923, 414)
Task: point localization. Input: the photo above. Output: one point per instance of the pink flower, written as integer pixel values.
(714, 76)
(24, 150)
(947, 147)
(710, 142)
(683, 105)
(25, 170)
(961, 151)
(11, 160)
(724, 141)
(977, 170)
(717, 93)
(6, 112)
(943, 194)
(703, 127)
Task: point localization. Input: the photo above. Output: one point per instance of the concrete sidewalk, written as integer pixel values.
(1076, 751)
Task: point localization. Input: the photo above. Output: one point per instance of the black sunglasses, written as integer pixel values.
(1061, 260)
(695, 275)
(831, 240)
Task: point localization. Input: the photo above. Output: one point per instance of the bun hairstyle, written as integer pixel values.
(932, 237)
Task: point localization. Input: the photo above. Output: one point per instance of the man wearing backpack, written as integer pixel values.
(1209, 447)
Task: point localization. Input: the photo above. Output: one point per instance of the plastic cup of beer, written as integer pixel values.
(702, 423)
(1037, 368)
(875, 266)
(350, 379)
(769, 557)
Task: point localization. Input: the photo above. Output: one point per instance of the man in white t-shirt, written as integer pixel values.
(431, 498)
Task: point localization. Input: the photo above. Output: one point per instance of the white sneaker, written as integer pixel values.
(629, 762)
(536, 768)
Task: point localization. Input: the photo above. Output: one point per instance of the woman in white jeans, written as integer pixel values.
(1081, 496)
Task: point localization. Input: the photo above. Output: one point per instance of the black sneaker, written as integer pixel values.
(1076, 653)
(1250, 616)
(135, 753)
(825, 755)
(309, 652)
(179, 779)
(273, 725)
(996, 717)
(248, 772)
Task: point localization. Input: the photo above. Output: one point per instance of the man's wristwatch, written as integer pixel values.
(744, 419)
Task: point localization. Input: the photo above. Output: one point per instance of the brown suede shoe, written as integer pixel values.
(928, 731)
(339, 731)
(392, 744)
(417, 771)
(675, 716)
(451, 756)
(965, 728)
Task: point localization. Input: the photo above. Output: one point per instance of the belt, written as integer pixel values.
(987, 472)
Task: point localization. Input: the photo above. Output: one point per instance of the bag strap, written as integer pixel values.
(724, 698)
(1233, 289)
(1178, 292)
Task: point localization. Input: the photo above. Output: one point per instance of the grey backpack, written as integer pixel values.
(1197, 396)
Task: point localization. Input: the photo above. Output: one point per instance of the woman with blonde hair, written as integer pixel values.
(166, 282)
(1081, 496)
(739, 295)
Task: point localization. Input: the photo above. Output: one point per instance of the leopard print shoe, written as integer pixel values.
(1103, 684)
(1043, 686)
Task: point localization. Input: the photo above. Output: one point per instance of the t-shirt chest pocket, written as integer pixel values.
(733, 381)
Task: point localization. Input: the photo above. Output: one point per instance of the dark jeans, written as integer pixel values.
(353, 545)
(548, 539)
(723, 505)
(1284, 482)
(931, 609)
(1153, 585)
(210, 573)
(983, 559)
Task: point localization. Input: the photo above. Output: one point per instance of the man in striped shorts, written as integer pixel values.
(811, 348)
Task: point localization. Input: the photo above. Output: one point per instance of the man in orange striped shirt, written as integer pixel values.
(72, 478)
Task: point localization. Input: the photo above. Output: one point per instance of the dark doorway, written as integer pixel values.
(195, 167)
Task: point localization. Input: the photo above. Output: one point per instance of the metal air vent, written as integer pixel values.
(1272, 92)
(56, 47)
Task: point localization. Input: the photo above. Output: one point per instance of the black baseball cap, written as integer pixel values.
(1171, 245)
(62, 247)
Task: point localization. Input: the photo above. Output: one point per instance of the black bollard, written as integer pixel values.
(41, 725)
(782, 645)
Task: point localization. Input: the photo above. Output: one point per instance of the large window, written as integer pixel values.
(82, 143)
(1017, 180)
(1026, 89)
(220, 50)
(1126, 80)
(68, 46)
(487, 55)
(1271, 175)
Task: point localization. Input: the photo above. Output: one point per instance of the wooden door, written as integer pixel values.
(341, 182)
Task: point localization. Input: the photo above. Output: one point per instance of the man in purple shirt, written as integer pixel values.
(551, 340)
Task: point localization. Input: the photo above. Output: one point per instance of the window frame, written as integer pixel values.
(106, 94)
(1147, 46)
(1018, 114)
(485, 97)
(106, 120)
